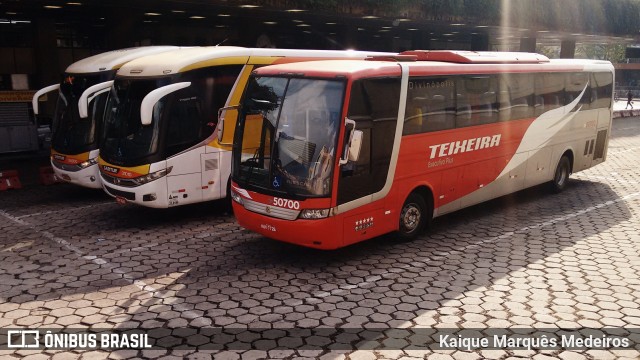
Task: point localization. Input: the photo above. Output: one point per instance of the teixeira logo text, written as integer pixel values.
(461, 146)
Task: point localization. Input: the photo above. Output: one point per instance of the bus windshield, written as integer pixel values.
(71, 134)
(125, 141)
(182, 118)
(287, 135)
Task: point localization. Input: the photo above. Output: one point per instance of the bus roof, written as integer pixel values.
(113, 60)
(185, 59)
(389, 66)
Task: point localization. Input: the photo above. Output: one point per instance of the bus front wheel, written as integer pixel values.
(561, 176)
(413, 217)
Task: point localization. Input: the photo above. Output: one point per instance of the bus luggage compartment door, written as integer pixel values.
(211, 186)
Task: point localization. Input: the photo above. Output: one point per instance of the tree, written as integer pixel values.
(611, 52)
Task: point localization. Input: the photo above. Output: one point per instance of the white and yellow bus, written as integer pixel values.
(159, 146)
(82, 95)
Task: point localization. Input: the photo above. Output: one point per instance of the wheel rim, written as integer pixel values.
(411, 217)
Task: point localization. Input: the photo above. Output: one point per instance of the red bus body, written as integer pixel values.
(459, 165)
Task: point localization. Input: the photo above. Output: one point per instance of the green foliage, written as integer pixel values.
(611, 52)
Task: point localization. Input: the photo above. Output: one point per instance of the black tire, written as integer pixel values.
(227, 201)
(414, 216)
(561, 176)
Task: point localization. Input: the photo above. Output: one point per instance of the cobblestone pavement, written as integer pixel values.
(73, 258)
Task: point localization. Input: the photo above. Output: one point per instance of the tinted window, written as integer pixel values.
(430, 105)
(374, 108)
(549, 88)
(477, 100)
(601, 90)
(193, 111)
(516, 97)
(575, 85)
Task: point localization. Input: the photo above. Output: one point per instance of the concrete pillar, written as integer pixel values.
(528, 44)
(47, 64)
(250, 34)
(46, 53)
(568, 49)
(348, 37)
(479, 42)
(122, 25)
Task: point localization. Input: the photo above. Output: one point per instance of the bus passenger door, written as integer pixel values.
(211, 187)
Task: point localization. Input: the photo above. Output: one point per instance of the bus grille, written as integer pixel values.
(66, 167)
(276, 212)
(125, 194)
(118, 181)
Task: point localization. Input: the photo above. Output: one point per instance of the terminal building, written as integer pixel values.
(40, 38)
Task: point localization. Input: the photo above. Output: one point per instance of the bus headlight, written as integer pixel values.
(86, 164)
(312, 214)
(236, 197)
(152, 176)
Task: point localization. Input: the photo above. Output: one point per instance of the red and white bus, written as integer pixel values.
(349, 150)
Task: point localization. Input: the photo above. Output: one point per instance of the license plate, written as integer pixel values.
(120, 200)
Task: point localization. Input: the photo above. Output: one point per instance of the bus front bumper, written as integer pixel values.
(323, 234)
(152, 194)
(88, 177)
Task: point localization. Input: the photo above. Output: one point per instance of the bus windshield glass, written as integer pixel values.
(125, 141)
(71, 134)
(287, 135)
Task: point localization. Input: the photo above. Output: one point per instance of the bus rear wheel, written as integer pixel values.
(561, 176)
(413, 217)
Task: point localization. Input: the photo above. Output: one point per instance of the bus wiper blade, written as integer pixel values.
(252, 162)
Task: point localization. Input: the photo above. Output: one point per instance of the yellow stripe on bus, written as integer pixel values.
(141, 169)
(232, 60)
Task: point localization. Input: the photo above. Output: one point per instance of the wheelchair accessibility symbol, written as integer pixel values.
(276, 182)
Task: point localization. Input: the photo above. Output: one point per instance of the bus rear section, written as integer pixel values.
(416, 137)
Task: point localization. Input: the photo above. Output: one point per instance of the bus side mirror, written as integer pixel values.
(221, 122)
(353, 145)
(38, 95)
(85, 99)
(152, 98)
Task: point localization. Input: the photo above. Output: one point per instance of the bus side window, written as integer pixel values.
(550, 87)
(430, 105)
(538, 105)
(517, 99)
(477, 100)
(414, 117)
(184, 123)
(441, 115)
(488, 110)
(601, 90)
(575, 84)
(463, 111)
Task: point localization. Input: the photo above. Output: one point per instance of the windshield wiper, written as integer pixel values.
(251, 162)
